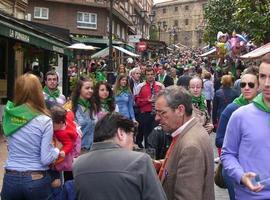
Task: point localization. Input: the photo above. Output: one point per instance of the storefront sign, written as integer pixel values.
(141, 46)
(19, 36)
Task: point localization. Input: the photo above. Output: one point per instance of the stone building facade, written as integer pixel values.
(15, 8)
(180, 21)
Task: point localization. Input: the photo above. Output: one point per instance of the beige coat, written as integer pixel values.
(189, 171)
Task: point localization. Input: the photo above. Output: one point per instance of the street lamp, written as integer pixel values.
(110, 60)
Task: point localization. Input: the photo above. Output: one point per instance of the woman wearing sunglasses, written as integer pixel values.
(249, 88)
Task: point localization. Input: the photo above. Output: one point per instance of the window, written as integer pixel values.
(123, 35)
(186, 7)
(175, 22)
(118, 32)
(164, 23)
(186, 21)
(41, 13)
(113, 27)
(175, 9)
(164, 10)
(86, 20)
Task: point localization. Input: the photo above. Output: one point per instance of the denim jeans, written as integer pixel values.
(24, 188)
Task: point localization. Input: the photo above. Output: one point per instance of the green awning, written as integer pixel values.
(18, 32)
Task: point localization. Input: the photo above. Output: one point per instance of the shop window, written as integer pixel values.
(86, 20)
(186, 21)
(41, 13)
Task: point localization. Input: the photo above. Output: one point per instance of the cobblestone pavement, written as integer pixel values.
(221, 194)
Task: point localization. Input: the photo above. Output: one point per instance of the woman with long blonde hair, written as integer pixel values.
(124, 97)
(29, 130)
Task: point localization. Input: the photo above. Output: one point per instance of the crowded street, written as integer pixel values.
(134, 100)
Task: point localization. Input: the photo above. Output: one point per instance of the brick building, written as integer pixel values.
(88, 20)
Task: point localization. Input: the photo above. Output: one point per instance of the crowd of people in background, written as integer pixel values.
(80, 146)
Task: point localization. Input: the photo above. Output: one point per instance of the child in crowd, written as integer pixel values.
(65, 133)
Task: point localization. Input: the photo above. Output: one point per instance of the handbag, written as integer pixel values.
(218, 178)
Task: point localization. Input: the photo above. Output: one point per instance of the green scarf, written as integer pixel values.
(53, 94)
(105, 104)
(199, 102)
(122, 90)
(258, 102)
(241, 101)
(16, 117)
(161, 78)
(84, 103)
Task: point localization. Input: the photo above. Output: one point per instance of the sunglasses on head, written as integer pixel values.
(250, 84)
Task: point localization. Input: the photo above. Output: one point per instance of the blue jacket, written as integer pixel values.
(124, 102)
(87, 127)
(223, 121)
(223, 97)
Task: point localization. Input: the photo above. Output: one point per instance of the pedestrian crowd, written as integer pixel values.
(140, 133)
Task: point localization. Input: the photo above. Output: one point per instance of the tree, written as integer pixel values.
(218, 15)
(254, 19)
(249, 16)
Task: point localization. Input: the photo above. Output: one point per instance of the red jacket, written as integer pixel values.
(67, 136)
(144, 94)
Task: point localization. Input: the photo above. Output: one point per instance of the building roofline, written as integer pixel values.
(174, 2)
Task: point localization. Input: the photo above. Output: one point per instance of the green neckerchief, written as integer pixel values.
(54, 94)
(199, 102)
(84, 103)
(161, 78)
(240, 101)
(105, 104)
(122, 90)
(259, 103)
(16, 117)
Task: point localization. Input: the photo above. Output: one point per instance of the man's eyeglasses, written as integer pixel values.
(250, 84)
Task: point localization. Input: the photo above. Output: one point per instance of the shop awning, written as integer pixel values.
(126, 51)
(208, 53)
(18, 30)
(105, 52)
(257, 52)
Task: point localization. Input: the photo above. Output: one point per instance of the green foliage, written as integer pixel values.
(218, 15)
(153, 32)
(249, 16)
(254, 18)
(73, 80)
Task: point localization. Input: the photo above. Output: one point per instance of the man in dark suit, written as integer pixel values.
(187, 170)
(111, 170)
(163, 77)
